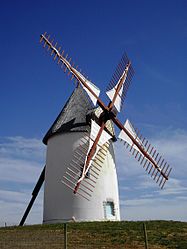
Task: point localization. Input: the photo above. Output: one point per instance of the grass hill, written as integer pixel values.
(108, 235)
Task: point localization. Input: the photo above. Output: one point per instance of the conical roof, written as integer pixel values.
(72, 118)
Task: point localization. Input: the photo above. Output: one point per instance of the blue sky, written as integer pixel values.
(95, 34)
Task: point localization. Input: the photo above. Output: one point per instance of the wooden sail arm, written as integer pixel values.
(90, 155)
(119, 85)
(81, 78)
(142, 150)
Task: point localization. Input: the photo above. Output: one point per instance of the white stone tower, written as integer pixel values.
(62, 139)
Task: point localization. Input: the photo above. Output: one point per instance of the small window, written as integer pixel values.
(109, 210)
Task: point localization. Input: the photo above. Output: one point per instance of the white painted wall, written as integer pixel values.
(60, 204)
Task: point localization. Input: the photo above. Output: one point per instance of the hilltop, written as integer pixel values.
(124, 234)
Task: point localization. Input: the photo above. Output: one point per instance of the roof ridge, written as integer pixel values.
(72, 116)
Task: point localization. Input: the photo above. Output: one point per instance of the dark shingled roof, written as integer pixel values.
(73, 115)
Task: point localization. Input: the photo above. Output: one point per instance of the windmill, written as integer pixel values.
(89, 175)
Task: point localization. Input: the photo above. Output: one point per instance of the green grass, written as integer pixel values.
(110, 235)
